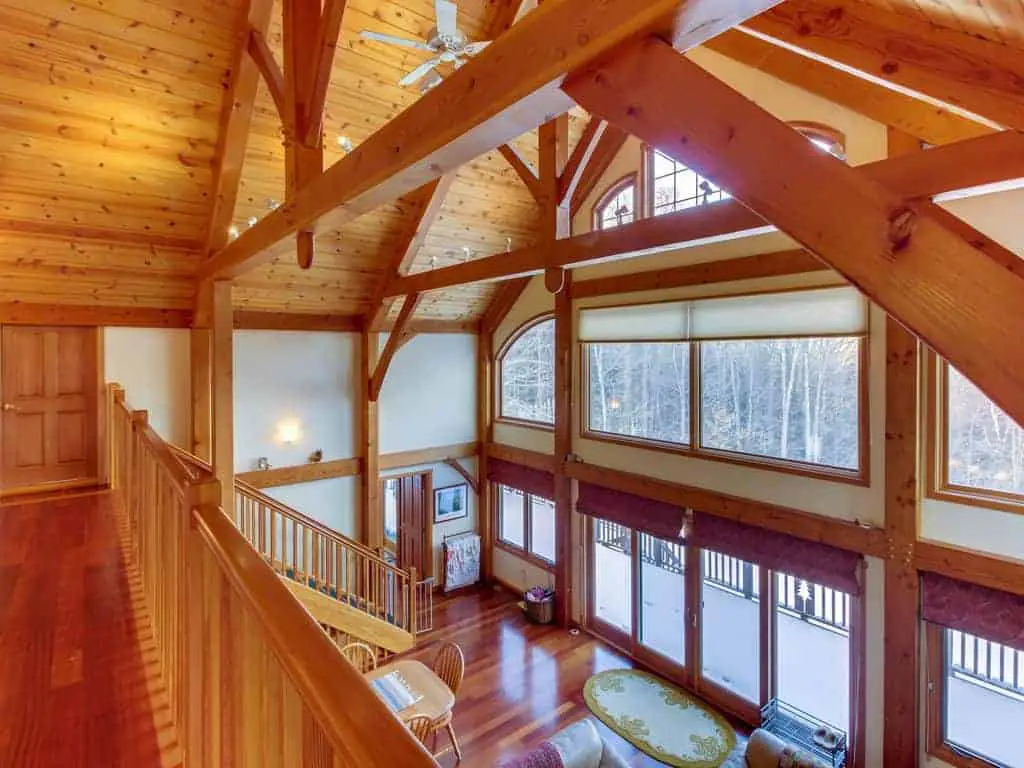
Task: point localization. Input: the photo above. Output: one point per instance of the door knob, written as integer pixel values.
(10, 407)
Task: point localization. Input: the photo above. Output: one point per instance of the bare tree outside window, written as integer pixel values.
(618, 209)
(985, 446)
(640, 390)
(794, 399)
(675, 187)
(528, 375)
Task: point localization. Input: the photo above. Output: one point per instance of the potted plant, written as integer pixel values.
(539, 604)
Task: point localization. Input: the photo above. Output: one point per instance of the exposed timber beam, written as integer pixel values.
(992, 571)
(522, 169)
(975, 162)
(961, 302)
(792, 262)
(235, 119)
(263, 57)
(922, 119)
(372, 515)
(505, 297)
(426, 203)
(395, 340)
(324, 48)
(953, 68)
(457, 121)
(608, 146)
(580, 158)
(465, 474)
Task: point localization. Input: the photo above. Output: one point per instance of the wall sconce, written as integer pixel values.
(289, 431)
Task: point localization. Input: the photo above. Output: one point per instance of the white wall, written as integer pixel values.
(152, 364)
(334, 502)
(429, 396)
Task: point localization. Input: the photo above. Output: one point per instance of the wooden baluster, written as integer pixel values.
(412, 601)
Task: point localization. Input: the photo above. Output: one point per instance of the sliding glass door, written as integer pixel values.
(612, 577)
(663, 597)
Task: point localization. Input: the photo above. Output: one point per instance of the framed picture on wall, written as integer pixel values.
(451, 503)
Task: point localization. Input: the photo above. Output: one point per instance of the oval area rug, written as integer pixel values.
(659, 719)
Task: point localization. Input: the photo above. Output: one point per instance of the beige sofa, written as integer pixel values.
(767, 751)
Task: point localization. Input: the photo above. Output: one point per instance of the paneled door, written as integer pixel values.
(49, 383)
(414, 522)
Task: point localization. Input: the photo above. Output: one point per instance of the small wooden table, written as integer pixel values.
(437, 699)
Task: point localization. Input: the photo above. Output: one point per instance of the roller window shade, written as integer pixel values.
(809, 313)
(656, 518)
(523, 478)
(986, 613)
(819, 563)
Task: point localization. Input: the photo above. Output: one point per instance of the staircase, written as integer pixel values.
(353, 592)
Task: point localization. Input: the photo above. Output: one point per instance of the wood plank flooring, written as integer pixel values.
(79, 680)
(523, 682)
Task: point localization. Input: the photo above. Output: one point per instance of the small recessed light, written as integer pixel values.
(345, 143)
(272, 204)
(233, 231)
(251, 221)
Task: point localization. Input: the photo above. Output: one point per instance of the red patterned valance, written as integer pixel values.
(986, 613)
(666, 521)
(526, 479)
(820, 563)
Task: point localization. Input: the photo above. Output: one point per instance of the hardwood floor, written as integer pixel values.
(523, 682)
(79, 680)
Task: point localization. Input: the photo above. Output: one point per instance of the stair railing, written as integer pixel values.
(251, 678)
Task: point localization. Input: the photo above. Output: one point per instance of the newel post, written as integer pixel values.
(412, 602)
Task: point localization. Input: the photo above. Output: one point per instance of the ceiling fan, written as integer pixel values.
(445, 40)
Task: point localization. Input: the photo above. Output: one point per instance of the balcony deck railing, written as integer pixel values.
(985, 661)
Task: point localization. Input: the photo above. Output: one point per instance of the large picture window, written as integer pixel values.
(527, 378)
(777, 378)
(526, 522)
(982, 449)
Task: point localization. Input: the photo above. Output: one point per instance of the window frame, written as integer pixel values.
(935, 700)
(649, 180)
(695, 449)
(939, 486)
(615, 188)
(499, 415)
(526, 551)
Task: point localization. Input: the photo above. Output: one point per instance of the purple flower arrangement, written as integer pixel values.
(539, 594)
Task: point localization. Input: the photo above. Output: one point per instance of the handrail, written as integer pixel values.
(251, 678)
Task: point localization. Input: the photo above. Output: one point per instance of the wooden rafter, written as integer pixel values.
(975, 162)
(915, 117)
(521, 92)
(505, 297)
(396, 338)
(465, 473)
(325, 46)
(522, 169)
(263, 57)
(580, 158)
(235, 119)
(951, 67)
(607, 147)
(956, 298)
(426, 203)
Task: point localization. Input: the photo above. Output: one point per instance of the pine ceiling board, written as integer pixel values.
(21, 250)
(998, 20)
(462, 303)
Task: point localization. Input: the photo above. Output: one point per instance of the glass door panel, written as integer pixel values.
(730, 624)
(612, 571)
(663, 597)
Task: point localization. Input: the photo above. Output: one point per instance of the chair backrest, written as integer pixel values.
(360, 655)
(450, 666)
(421, 727)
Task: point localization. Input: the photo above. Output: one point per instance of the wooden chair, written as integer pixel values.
(421, 727)
(450, 666)
(360, 655)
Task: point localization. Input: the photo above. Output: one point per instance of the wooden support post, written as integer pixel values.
(485, 435)
(372, 515)
(223, 396)
(563, 448)
(201, 374)
(902, 515)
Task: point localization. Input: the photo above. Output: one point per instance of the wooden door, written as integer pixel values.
(414, 521)
(49, 384)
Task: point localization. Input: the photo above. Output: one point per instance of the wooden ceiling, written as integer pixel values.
(111, 111)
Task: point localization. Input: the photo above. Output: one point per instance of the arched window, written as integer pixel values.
(821, 135)
(673, 187)
(617, 206)
(527, 373)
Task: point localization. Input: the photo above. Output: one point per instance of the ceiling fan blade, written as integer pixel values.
(420, 71)
(472, 49)
(446, 12)
(382, 38)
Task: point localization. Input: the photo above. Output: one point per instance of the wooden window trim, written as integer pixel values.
(695, 450)
(939, 486)
(935, 696)
(524, 552)
(631, 179)
(500, 417)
